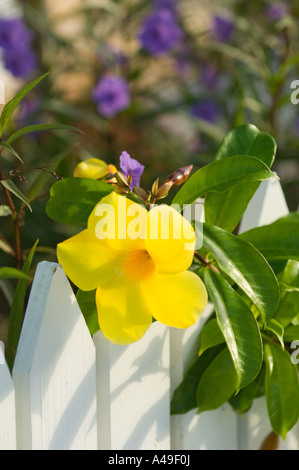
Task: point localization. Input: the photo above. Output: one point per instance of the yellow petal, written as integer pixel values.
(88, 263)
(119, 221)
(93, 168)
(123, 315)
(170, 240)
(176, 300)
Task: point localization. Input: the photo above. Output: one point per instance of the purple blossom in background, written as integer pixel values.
(20, 63)
(160, 32)
(131, 167)
(15, 40)
(223, 28)
(111, 95)
(209, 77)
(14, 34)
(169, 5)
(207, 110)
(276, 11)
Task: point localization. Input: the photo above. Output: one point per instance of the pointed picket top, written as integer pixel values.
(54, 370)
(267, 205)
(7, 406)
(134, 392)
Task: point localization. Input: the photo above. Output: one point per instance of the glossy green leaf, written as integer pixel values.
(246, 267)
(210, 335)
(87, 304)
(282, 389)
(14, 102)
(217, 383)
(40, 128)
(12, 273)
(220, 176)
(11, 150)
(276, 241)
(277, 329)
(73, 199)
(12, 188)
(226, 210)
(243, 400)
(291, 333)
(184, 396)
(238, 326)
(17, 311)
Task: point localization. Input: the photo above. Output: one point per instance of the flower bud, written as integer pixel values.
(180, 176)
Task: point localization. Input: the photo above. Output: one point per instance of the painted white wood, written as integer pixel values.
(207, 431)
(267, 205)
(134, 392)
(7, 406)
(54, 370)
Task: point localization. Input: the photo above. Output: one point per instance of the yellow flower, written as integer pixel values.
(137, 260)
(93, 168)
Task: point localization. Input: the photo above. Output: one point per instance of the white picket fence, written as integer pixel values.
(72, 391)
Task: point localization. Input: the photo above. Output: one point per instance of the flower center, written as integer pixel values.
(138, 264)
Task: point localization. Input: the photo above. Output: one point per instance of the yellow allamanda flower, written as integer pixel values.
(93, 168)
(137, 260)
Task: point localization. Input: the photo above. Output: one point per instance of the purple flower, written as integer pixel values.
(276, 11)
(20, 62)
(14, 34)
(111, 95)
(169, 5)
(207, 110)
(209, 77)
(15, 40)
(131, 167)
(160, 32)
(223, 28)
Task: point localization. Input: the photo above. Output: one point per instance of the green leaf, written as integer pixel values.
(8, 147)
(73, 199)
(288, 308)
(11, 187)
(12, 273)
(291, 333)
(282, 389)
(5, 211)
(17, 312)
(184, 396)
(87, 304)
(12, 104)
(276, 241)
(238, 326)
(40, 128)
(217, 383)
(210, 335)
(246, 267)
(243, 401)
(244, 140)
(277, 329)
(220, 176)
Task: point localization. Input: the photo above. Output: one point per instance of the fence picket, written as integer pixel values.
(134, 392)
(267, 205)
(54, 370)
(7, 406)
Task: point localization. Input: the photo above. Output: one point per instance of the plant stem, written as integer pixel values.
(205, 262)
(15, 218)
